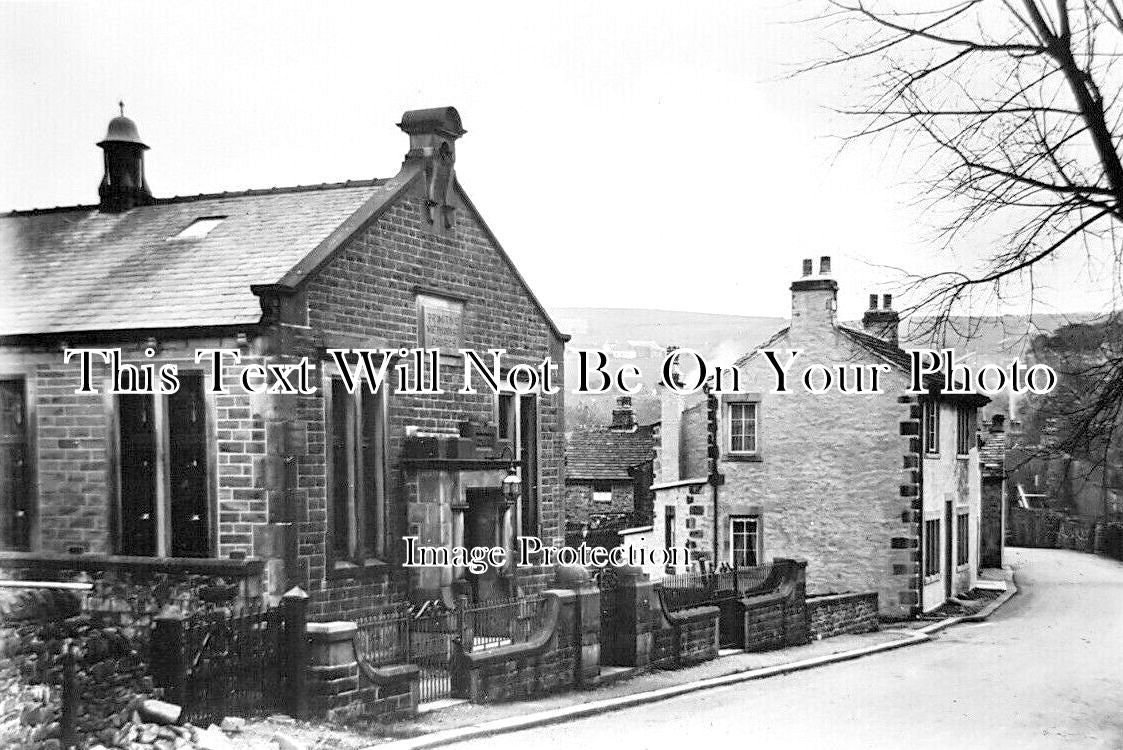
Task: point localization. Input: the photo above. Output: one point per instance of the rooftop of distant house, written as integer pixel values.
(609, 453)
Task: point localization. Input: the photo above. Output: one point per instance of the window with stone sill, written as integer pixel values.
(356, 462)
(930, 423)
(962, 539)
(602, 493)
(963, 431)
(164, 496)
(518, 425)
(931, 548)
(744, 533)
(15, 480)
(742, 428)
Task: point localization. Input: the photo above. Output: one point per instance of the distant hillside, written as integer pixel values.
(640, 337)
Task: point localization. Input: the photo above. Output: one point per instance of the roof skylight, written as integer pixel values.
(199, 228)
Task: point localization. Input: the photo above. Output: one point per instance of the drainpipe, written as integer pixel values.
(712, 453)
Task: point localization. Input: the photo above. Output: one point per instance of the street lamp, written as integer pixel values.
(512, 485)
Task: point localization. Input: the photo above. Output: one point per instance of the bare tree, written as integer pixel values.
(1014, 109)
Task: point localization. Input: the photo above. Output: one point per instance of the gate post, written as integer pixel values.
(70, 697)
(294, 606)
(169, 655)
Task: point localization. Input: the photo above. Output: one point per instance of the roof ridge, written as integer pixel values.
(247, 193)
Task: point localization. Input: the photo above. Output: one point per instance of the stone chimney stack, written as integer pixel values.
(623, 418)
(814, 301)
(432, 142)
(883, 322)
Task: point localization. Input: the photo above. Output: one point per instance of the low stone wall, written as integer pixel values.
(36, 628)
(1109, 539)
(1076, 534)
(837, 614)
(550, 661)
(1033, 528)
(685, 637)
(777, 616)
(130, 592)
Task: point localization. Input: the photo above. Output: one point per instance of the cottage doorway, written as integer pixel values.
(484, 524)
(949, 569)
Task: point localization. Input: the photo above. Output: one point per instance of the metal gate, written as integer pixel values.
(235, 664)
(425, 637)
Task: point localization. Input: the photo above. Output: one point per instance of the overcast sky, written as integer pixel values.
(626, 154)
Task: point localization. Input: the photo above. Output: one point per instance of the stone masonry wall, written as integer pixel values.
(579, 504)
(367, 293)
(75, 437)
(827, 481)
(110, 672)
(842, 613)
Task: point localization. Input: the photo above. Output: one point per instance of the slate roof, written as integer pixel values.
(886, 351)
(992, 454)
(601, 453)
(77, 269)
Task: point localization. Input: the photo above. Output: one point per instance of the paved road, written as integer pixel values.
(1046, 671)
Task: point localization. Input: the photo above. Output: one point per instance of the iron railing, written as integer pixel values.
(425, 636)
(498, 623)
(699, 589)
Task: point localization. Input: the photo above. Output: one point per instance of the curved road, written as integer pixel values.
(1046, 671)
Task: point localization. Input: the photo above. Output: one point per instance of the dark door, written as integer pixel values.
(483, 527)
(187, 459)
(949, 567)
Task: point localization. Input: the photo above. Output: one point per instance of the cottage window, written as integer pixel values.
(15, 495)
(931, 422)
(517, 420)
(963, 431)
(744, 532)
(357, 464)
(602, 493)
(932, 547)
(164, 493)
(743, 427)
(962, 539)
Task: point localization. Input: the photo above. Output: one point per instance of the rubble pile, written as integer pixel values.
(37, 627)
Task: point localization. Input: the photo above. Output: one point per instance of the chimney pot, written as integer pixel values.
(873, 301)
(623, 418)
(886, 302)
(825, 265)
(807, 266)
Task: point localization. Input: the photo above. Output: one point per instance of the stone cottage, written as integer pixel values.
(608, 472)
(877, 491)
(287, 478)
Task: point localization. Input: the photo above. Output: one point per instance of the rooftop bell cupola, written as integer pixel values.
(123, 185)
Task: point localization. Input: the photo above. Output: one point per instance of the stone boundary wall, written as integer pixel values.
(550, 661)
(1049, 529)
(837, 614)
(36, 626)
(684, 637)
(130, 592)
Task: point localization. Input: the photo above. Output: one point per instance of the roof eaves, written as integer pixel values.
(370, 210)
